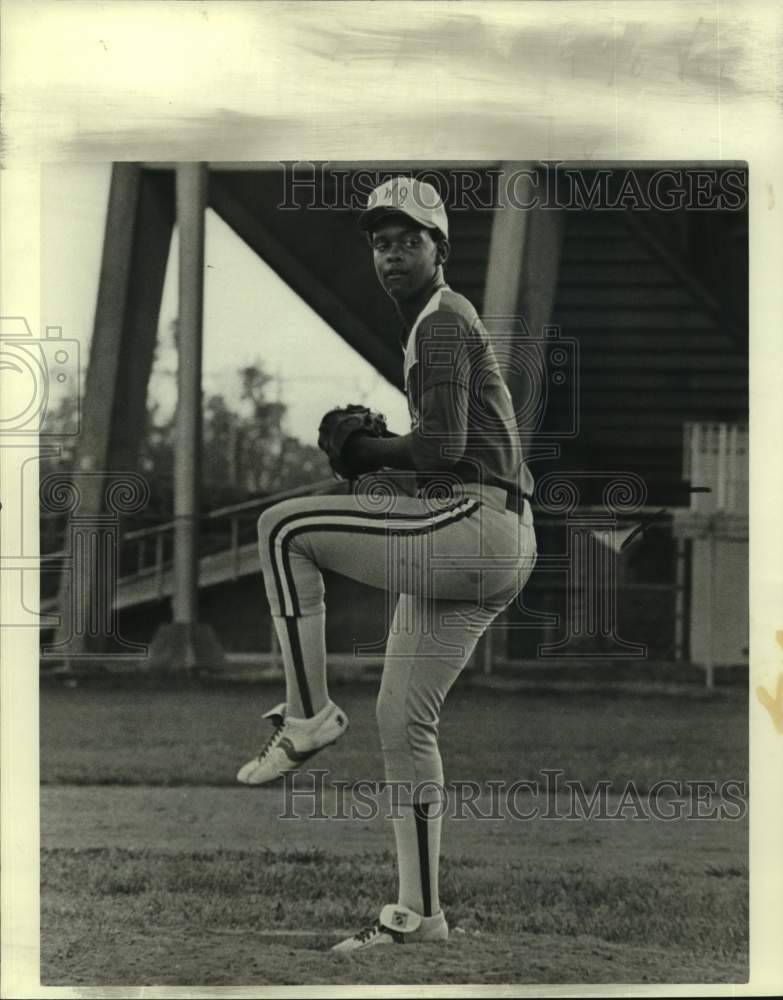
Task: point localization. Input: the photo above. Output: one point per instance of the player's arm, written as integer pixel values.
(435, 445)
(366, 454)
(438, 442)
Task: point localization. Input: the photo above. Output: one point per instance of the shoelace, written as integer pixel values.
(364, 935)
(274, 739)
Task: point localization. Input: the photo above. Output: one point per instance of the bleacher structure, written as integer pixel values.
(639, 323)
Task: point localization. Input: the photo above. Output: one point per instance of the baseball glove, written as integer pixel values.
(341, 423)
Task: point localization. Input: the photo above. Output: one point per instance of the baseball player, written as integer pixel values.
(457, 552)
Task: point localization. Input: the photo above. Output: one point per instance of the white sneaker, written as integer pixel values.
(396, 925)
(293, 742)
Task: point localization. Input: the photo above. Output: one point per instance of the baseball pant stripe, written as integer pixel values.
(292, 595)
(299, 667)
(347, 520)
(358, 520)
(421, 814)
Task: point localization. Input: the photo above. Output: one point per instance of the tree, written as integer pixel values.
(221, 439)
(261, 431)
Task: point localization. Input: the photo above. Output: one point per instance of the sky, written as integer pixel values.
(250, 314)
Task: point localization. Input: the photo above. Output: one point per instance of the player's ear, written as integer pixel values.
(443, 249)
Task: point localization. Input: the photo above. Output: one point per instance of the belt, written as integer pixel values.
(515, 499)
(512, 499)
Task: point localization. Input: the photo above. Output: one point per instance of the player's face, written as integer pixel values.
(406, 257)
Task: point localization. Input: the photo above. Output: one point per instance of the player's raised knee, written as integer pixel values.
(266, 525)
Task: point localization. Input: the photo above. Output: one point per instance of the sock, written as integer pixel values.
(303, 646)
(417, 833)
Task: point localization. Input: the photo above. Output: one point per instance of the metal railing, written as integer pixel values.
(222, 530)
(157, 540)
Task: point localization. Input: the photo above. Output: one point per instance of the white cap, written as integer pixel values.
(416, 199)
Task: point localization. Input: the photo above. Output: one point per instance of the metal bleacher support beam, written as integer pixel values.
(139, 224)
(378, 351)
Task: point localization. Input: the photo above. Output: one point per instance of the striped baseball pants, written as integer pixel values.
(455, 564)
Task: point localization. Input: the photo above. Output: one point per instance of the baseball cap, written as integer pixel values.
(416, 199)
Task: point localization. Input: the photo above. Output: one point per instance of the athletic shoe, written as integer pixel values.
(293, 742)
(396, 925)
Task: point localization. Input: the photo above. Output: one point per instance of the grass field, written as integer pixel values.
(158, 869)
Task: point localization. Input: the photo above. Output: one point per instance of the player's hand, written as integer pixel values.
(341, 433)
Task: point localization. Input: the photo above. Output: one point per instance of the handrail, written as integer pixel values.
(257, 503)
(244, 505)
(155, 529)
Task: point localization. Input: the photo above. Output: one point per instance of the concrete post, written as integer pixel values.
(522, 272)
(191, 205)
(185, 645)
